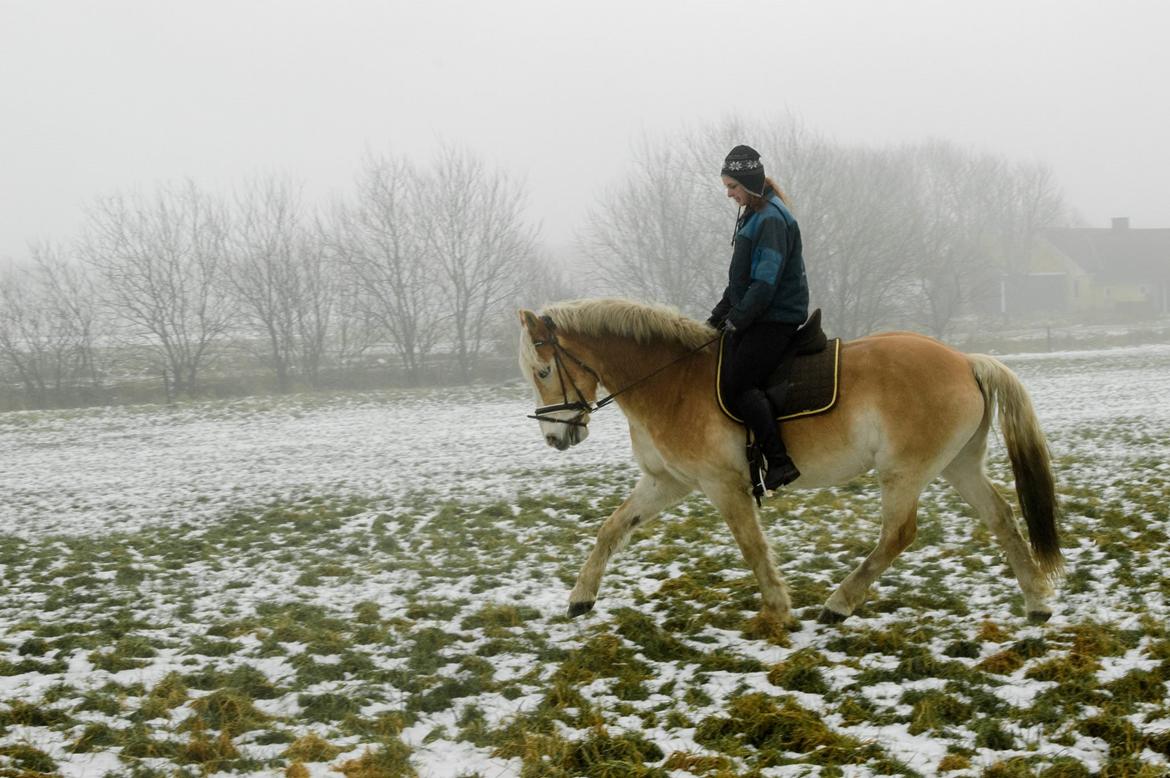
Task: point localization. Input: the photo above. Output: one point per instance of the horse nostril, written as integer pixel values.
(550, 439)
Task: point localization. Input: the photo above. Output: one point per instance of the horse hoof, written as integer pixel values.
(1039, 617)
(831, 617)
(577, 608)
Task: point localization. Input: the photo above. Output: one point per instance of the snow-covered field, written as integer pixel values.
(374, 584)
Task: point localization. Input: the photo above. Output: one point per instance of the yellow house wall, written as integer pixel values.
(1084, 294)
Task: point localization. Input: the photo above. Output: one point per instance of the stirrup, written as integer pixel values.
(757, 465)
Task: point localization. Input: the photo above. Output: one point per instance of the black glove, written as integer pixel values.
(715, 323)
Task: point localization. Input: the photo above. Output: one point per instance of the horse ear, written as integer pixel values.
(528, 320)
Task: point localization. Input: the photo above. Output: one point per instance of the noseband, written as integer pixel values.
(581, 405)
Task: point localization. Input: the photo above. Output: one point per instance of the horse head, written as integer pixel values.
(565, 386)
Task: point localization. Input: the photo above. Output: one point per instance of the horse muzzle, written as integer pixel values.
(569, 432)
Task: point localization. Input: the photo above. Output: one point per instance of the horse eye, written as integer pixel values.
(543, 372)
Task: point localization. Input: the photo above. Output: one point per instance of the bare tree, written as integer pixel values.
(857, 236)
(28, 338)
(354, 328)
(657, 235)
(320, 285)
(48, 327)
(380, 240)
(1031, 202)
(262, 272)
(545, 278)
(278, 275)
(951, 258)
(162, 259)
(474, 231)
(71, 294)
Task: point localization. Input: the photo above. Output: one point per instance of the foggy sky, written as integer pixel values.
(97, 97)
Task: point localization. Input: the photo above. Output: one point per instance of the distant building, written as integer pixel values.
(1115, 270)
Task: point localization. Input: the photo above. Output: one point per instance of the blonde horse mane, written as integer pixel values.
(644, 322)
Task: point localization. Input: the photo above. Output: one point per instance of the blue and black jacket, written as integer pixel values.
(766, 280)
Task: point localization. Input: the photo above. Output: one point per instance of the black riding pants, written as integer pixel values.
(750, 357)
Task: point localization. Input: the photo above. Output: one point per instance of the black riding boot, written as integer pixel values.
(757, 413)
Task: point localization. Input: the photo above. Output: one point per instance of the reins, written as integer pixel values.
(581, 405)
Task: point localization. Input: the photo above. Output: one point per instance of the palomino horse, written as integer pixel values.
(912, 408)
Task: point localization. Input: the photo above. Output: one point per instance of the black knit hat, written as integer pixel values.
(743, 164)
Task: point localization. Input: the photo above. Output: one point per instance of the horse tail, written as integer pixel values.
(1027, 449)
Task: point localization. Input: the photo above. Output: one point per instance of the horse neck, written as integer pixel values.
(623, 362)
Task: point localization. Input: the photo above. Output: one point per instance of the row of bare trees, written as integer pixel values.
(416, 260)
(425, 259)
(911, 236)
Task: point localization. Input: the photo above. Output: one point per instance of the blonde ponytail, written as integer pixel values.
(757, 203)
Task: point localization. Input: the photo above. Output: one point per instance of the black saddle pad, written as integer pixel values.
(814, 383)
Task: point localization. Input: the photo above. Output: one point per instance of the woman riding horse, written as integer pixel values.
(913, 409)
(766, 299)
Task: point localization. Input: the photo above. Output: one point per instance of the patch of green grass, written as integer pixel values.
(389, 759)
(310, 672)
(767, 730)
(497, 618)
(96, 736)
(29, 759)
(801, 672)
(1065, 767)
(26, 714)
(966, 649)
(311, 748)
(168, 694)
(225, 710)
(602, 753)
(139, 742)
(1122, 737)
(128, 653)
(935, 711)
(990, 734)
(475, 680)
(1135, 687)
(203, 646)
(328, 707)
(52, 667)
(1013, 657)
(1016, 767)
(915, 663)
(213, 753)
(603, 656)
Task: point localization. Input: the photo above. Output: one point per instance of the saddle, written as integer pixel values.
(806, 381)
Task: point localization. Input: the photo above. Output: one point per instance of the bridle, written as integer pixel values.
(581, 405)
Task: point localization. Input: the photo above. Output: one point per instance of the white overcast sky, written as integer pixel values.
(107, 95)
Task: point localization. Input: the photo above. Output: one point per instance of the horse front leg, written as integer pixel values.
(653, 494)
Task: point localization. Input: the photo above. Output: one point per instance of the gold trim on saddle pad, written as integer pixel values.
(800, 378)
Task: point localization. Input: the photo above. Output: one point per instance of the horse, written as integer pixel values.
(911, 408)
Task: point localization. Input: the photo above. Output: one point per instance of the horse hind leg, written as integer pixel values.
(899, 527)
(966, 474)
(652, 495)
